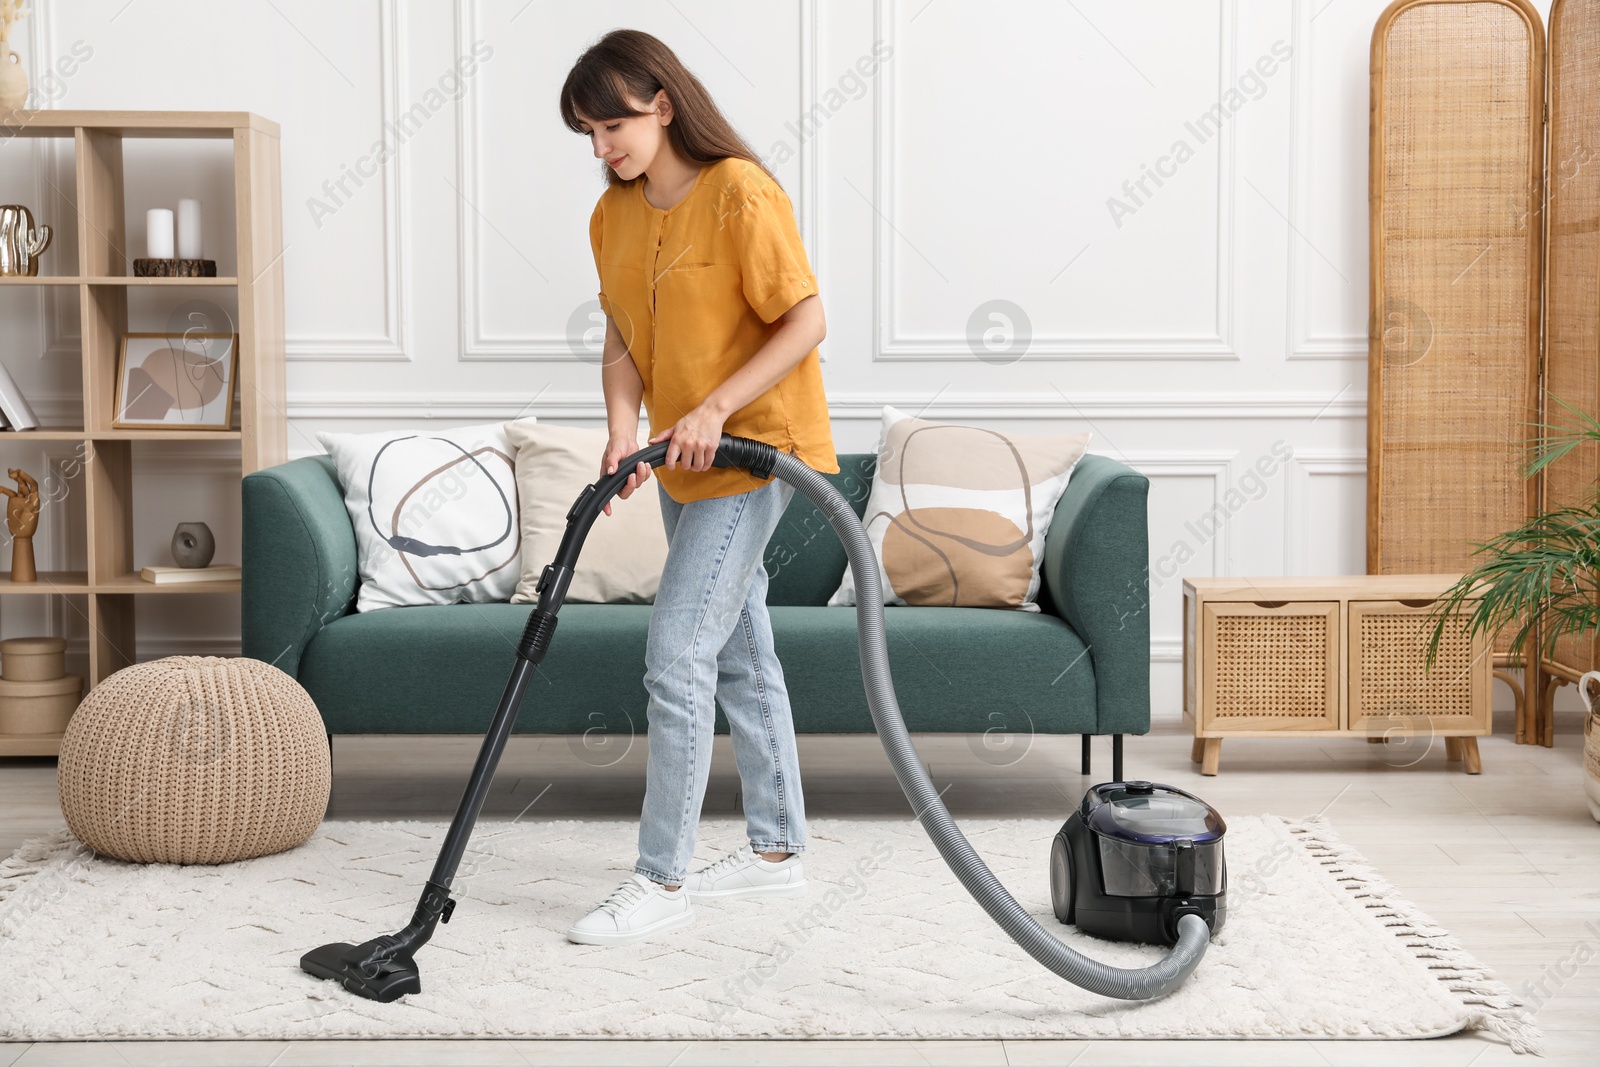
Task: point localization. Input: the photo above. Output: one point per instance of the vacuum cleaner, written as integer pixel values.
(1135, 862)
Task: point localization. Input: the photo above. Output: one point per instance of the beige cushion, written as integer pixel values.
(958, 514)
(622, 557)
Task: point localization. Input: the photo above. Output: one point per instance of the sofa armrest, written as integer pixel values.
(1096, 567)
(299, 559)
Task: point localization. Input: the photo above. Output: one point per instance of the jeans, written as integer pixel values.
(711, 637)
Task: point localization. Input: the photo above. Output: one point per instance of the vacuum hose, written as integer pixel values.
(1123, 983)
(385, 968)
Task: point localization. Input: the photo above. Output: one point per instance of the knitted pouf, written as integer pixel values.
(195, 759)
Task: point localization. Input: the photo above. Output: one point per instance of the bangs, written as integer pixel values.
(597, 91)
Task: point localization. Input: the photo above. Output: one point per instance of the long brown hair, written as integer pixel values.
(634, 61)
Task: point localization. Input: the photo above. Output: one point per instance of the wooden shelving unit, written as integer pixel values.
(111, 583)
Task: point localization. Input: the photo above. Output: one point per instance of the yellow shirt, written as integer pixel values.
(694, 291)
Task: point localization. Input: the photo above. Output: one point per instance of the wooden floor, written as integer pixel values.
(1509, 861)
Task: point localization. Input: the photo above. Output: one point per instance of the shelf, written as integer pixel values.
(50, 582)
(75, 434)
(132, 583)
(107, 309)
(63, 123)
(112, 279)
(30, 744)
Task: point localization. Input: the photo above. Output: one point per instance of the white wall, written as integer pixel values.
(1220, 313)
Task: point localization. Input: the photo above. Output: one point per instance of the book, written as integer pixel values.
(217, 572)
(13, 405)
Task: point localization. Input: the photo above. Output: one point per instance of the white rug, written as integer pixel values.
(886, 944)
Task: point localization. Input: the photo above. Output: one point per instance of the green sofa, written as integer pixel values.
(1079, 666)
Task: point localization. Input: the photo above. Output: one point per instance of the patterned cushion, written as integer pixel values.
(958, 514)
(435, 514)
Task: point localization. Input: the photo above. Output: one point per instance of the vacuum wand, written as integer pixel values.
(385, 968)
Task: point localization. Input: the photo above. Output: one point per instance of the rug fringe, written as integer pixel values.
(1492, 1006)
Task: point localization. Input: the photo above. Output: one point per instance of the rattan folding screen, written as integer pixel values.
(1460, 286)
(1572, 310)
(1457, 152)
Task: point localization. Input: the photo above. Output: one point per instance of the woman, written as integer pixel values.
(712, 320)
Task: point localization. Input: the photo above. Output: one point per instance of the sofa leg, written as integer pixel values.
(1116, 757)
(1085, 753)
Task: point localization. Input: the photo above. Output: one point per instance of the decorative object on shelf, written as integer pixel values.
(176, 381)
(33, 659)
(174, 268)
(193, 544)
(37, 695)
(161, 260)
(158, 233)
(13, 79)
(13, 405)
(21, 242)
(195, 759)
(218, 572)
(22, 518)
(188, 229)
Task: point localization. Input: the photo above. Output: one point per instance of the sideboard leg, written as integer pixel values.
(1197, 749)
(1116, 757)
(1452, 749)
(1086, 754)
(1212, 756)
(1469, 748)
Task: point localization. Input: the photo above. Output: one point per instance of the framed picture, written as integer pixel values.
(176, 381)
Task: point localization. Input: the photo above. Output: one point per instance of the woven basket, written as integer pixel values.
(195, 759)
(1591, 745)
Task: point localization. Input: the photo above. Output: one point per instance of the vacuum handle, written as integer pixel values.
(755, 456)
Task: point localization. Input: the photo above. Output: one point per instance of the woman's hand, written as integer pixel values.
(619, 448)
(692, 440)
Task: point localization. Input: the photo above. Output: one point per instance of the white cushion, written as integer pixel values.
(957, 515)
(624, 552)
(434, 514)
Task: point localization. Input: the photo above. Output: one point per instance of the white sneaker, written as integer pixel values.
(637, 909)
(745, 874)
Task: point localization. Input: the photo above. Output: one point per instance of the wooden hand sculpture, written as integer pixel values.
(22, 513)
(22, 518)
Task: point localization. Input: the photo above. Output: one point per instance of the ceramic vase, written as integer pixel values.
(192, 544)
(13, 80)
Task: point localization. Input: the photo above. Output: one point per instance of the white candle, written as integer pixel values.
(158, 233)
(188, 229)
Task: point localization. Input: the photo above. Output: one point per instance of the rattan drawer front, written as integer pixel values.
(1269, 666)
(1388, 643)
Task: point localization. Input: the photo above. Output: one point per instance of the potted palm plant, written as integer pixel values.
(1545, 572)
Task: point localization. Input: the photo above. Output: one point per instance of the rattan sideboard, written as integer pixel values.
(1330, 657)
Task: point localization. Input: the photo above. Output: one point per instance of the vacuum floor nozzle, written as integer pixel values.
(386, 980)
